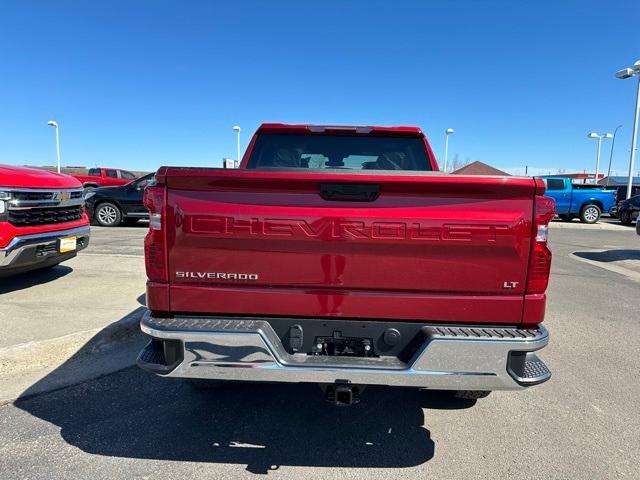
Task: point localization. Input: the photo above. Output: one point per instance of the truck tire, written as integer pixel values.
(590, 214)
(108, 215)
(625, 217)
(469, 394)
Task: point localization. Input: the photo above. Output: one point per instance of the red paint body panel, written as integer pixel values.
(370, 304)
(103, 180)
(431, 247)
(26, 177)
(426, 235)
(534, 308)
(8, 232)
(34, 178)
(158, 296)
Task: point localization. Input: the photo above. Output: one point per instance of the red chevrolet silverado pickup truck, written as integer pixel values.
(42, 220)
(341, 256)
(105, 177)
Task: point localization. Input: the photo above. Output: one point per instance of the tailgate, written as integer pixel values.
(426, 247)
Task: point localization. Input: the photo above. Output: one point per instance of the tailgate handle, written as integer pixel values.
(349, 192)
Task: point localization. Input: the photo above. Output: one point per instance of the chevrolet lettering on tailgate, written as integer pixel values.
(347, 230)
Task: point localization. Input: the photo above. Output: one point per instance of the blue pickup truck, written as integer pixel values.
(586, 202)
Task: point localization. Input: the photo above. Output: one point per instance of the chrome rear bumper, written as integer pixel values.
(244, 349)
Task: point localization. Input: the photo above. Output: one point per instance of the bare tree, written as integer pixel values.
(456, 164)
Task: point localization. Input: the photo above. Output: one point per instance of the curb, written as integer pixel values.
(612, 267)
(35, 368)
(613, 227)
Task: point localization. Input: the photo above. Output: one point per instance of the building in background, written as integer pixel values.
(584, 177)
(479, 168)
(79, 170)
(230, 163)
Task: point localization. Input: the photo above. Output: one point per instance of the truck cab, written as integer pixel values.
(42, 219)
(105, 177)
(586, 202)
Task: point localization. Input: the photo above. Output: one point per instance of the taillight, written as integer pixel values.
(154, 243)
(540, 262)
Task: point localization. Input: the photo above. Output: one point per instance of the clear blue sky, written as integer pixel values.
(139, 84)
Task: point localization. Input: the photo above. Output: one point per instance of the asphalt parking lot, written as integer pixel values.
(583, 423)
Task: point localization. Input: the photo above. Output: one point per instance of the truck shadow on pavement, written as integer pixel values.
(29, 279)
(610, 255)
(134, 414)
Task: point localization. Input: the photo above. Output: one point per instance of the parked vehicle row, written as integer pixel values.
(586, 202)
(104, 177)
(373, 284)
(627, 210)
(620, 191)
(113, 206)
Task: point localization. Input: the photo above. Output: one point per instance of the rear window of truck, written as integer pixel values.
(338, 152)
(554, 184)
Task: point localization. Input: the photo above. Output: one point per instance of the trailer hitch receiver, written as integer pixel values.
(342, 393)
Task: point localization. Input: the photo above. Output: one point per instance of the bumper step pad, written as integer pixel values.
(152, 354)
(160, 356)
(535, 369)
(480, 332)
(527, 369)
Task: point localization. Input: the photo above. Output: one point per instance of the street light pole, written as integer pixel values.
(447, 132)
(236, 128)
(599, 137)
(624, 74)
(613, 143)
(54, 124)
(598, 159)
(634, 138)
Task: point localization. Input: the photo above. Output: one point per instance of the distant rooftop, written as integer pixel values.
(576, 176)
(623, 181)
(77, 170)
(479, 168)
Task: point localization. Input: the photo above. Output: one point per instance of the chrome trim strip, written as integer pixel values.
(29, 204)
(232, 351)
(16, 204)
